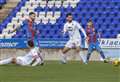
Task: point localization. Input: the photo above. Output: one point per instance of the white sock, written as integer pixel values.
(82, 56)
(6, 61)
(63, 58)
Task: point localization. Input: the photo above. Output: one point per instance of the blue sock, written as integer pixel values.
(88, 56)
(102, 55)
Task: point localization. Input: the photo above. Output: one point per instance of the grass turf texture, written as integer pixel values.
(54, 72)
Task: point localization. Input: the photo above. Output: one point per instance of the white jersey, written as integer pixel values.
(73, 30)
(28, 59)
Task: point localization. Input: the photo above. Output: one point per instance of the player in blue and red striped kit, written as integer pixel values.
(92, 40)
(30, 28)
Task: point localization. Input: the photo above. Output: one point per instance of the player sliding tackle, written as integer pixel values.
(92, 40)
(33, 58)
(31, 30)
(72, 28)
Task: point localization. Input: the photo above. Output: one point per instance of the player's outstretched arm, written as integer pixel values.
(18, 27)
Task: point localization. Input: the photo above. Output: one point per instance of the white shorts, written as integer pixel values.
(21, 61)
(73, 43)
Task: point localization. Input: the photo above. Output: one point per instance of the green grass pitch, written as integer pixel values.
(53, 71)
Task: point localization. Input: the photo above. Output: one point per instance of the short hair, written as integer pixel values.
(30, 43)
(90, 20)
(31, 13)
(68, 14)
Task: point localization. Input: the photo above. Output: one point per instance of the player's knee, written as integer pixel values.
(65, 50)
(78, 50)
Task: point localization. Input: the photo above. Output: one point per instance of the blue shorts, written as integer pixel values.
(94, 46)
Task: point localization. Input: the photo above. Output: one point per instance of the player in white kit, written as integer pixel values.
(72, 28)
(32, 58)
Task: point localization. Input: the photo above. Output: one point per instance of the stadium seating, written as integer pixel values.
(51, 17)
(2, 2)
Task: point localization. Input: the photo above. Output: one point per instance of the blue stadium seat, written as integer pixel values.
(2, 2)
(39, 9)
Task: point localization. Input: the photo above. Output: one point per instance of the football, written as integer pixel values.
(116, 62)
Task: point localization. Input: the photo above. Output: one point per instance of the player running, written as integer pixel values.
(30, 28)
(33, 58)
(72, 28)
(92, 40)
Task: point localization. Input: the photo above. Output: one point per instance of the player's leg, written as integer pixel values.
(21, 61)
(90, 50)
(7, 61)
(36, 43)
(98, 48)
(40, 54)
(67, 47)
(80, 53)
(63, 54)
(78, 47)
